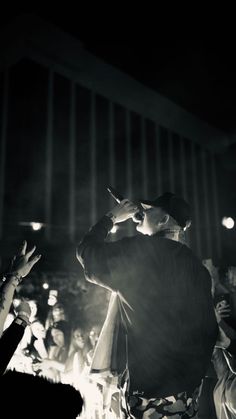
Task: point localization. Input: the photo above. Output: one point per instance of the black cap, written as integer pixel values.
(174, 205)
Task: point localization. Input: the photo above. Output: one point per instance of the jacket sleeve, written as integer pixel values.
(95, 237)
(97, 256)
(92, 252)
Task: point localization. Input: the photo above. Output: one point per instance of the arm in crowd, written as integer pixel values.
(21, 265)
(13, 335)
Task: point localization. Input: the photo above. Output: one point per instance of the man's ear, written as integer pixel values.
(188, 224)
(164, 219)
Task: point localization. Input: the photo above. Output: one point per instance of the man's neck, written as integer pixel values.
(172, 234)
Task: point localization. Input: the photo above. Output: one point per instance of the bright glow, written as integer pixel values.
(52, 298)
(114, 229)
(228, 222)
(36, 226)
(45, 285)
(52, 301)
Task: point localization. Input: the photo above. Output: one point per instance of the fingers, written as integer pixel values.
(30, 252)
(223, 309)
(34, 260)
(23, 248)
(124, 202)
(129, 205)
(224, 312)
(23, 252)
(223, 306)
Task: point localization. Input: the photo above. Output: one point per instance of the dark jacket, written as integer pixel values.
(174, 328)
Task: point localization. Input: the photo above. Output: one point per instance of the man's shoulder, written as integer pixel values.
(166, 243)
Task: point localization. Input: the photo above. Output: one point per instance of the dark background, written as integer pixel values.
(195, 72)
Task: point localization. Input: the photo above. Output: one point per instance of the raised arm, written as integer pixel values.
(21, 265)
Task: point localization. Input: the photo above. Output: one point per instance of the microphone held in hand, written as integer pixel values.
(118, 198)
(115, 194)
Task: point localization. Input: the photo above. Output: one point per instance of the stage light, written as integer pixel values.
(228, 222)
(36, 226)
(45, 286)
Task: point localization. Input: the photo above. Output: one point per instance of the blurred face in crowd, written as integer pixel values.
(79, 338)
(94, 335)
(58, 337)
(38, 330)
(58, 313)
(33, 307)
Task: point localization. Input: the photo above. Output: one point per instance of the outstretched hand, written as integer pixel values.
(22, 262)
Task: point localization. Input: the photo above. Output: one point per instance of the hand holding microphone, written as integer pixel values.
(125, 210)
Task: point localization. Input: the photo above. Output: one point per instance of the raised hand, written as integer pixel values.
(22, 262)
(223, 309)
(21, 265)
(123, 211)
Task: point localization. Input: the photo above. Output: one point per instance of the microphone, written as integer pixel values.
(138, 216)
(118, 198)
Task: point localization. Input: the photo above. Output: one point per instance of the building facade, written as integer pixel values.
(71, 125)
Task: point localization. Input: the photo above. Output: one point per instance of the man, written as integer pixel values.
(172, 328)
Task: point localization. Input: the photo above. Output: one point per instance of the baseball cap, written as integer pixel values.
(174, 205)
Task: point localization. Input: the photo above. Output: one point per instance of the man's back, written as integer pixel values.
(173, 323)
(173, 327)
